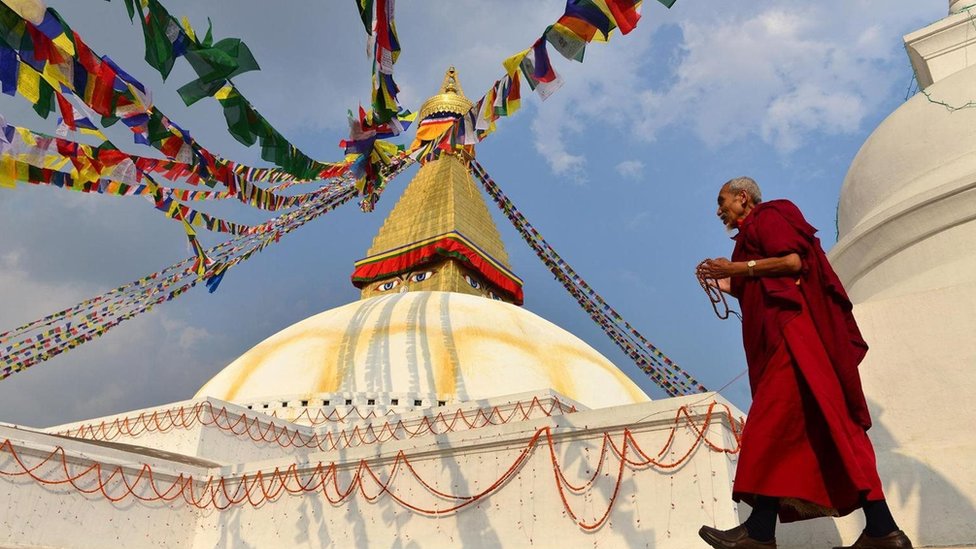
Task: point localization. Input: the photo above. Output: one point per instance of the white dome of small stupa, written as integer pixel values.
(906, 200)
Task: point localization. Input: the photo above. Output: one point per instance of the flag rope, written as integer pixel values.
(674, 380)
(42, 339)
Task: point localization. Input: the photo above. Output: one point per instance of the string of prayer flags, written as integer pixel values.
(365, 153)
(384, 47)
(115, 95)
(91, 163)
(168, 39)
(215, 64)
(368, 156)
(533, 63)
(47, 337)
(582, 22)
(661, 369)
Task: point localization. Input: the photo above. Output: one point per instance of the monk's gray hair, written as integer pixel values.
(746, 184)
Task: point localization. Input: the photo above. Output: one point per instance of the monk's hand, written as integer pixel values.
(717, 268)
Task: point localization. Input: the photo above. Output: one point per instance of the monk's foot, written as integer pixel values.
(736, 538)
(894, 540)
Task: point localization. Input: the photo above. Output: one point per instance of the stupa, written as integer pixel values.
(906, 254)
(433, 412)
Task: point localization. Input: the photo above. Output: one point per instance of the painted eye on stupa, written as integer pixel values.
(420, 277)
(493, 295)
(474, 282)
(388, 285)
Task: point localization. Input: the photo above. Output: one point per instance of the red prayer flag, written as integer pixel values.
(624, 13)
(67, 112)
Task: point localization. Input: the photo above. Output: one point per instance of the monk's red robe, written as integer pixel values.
(805, 440)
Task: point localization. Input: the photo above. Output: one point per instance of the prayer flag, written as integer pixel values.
(624, 13)
(566, 42)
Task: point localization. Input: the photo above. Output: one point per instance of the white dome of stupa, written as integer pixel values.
(909, 196)
(456, 346)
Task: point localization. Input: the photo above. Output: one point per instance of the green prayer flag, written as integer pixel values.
(45, 102)
(214, 65)
(159, 47)
(130, 8)
(366, 14)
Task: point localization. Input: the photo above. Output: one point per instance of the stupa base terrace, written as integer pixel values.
(527, 469)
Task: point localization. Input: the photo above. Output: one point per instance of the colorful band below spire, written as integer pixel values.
(451, 245)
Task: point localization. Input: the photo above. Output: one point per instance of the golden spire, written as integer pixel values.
(451, 98)
(440, 235)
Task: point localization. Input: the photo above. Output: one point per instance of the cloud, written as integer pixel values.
(549, 141)
(630, 169)
(805, 110)
(771, 70)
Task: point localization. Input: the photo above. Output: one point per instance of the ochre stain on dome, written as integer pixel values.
(259, 354)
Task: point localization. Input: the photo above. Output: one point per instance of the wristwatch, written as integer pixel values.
(751, 264)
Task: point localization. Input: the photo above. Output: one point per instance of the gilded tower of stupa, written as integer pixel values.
(440, 235)
(437, 321)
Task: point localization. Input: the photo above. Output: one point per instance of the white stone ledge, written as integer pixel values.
(639, 418)
(941, 48)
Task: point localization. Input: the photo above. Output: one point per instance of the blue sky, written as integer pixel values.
(618, 170)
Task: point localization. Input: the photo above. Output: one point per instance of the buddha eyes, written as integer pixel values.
(412, 277)
(475, 283)
(388, 285)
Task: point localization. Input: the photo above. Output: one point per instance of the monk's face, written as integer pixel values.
(731, 207)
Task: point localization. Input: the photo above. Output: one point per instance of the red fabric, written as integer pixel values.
(776, 229)
(800, 443)
(444, 247)
(625, 14)
(805, 437)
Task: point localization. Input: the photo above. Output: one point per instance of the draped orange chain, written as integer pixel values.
(261, 487)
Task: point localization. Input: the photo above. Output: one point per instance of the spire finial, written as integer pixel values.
(451, 83)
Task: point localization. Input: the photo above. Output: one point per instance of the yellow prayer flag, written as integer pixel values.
(29, 84)
(512, 63)
(64, 44)
(224, 92)
(22, 171)
(188, 29)
(96, 132)
(27, 136)
(58, 74)
(8, 172)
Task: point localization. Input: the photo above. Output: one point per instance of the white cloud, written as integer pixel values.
(630, 169)
(808, 109)
(772, 70)
(549, 137)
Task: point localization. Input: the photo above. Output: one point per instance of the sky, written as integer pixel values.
(618, 170)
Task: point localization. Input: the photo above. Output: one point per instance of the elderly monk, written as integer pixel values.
(805, 450)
